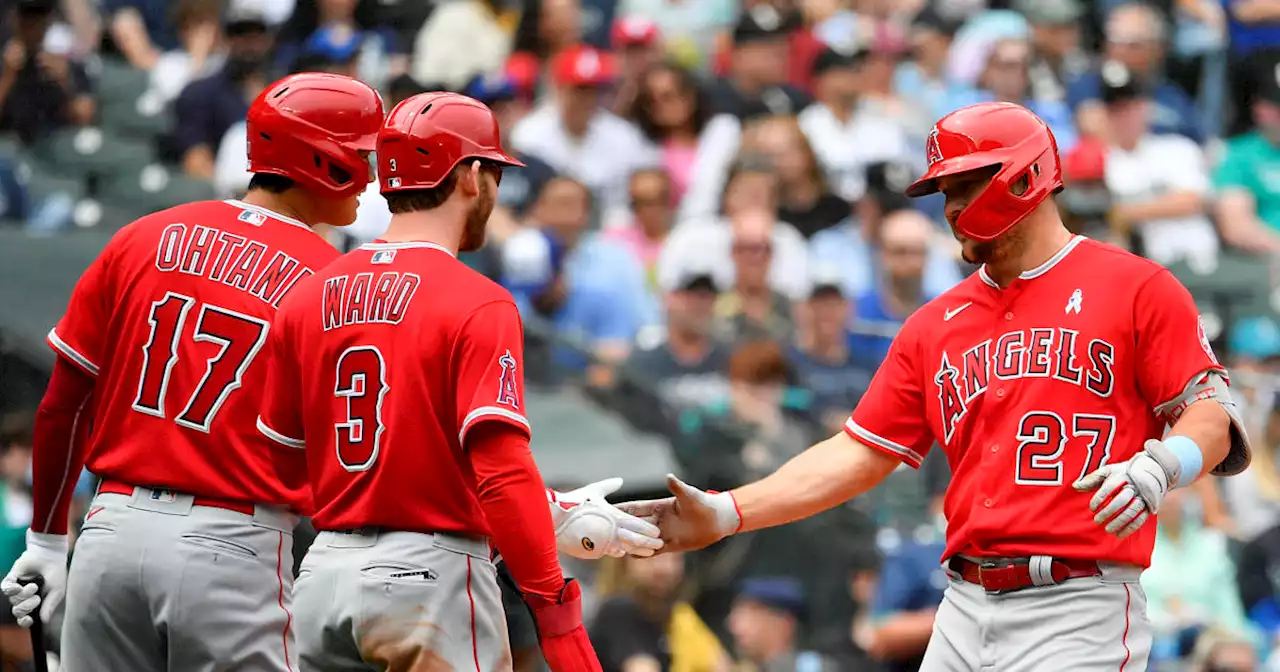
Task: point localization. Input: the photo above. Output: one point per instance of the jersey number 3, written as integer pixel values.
(361, 380)
(1042, 441)
(239, 337)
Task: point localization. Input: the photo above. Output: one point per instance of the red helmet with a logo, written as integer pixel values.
(987, 135)
(427, 136)
(312, 128)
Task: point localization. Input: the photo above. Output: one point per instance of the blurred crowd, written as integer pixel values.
(710, 240)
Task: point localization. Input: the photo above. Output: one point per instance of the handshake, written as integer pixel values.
(589, 527)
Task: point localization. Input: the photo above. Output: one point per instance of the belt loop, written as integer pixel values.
(1041, 570)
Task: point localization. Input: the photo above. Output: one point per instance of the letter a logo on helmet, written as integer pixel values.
(1004, 136)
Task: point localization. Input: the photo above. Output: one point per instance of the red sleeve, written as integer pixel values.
(58, 450)
(81, 333)
(891, 415)
(488, 361)
(280, 418)
(1170, 336)
(514, 502)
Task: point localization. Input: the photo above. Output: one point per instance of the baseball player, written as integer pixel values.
(1070, 384)
(397, 371)
(185, 554)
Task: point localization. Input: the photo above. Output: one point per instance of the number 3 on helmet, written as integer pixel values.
(988, 135)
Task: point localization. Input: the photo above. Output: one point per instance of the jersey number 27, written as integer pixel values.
(238, 336)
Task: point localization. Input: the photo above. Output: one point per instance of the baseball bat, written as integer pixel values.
(37, 629)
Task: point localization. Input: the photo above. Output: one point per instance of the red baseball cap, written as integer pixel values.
(1087, 162)
(634, 31)
(583, 65)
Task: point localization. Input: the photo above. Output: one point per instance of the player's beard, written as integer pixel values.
(974, 252)
(473, 232)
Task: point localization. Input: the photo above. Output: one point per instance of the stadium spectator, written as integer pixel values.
(652, 211)
(40, 91)
(804, 199)
(845, 135)
(589, 288)
(879, 67)
(878, 314)
(1135, 36)
(685, 366)
(1185, 585)
(672, 110)
(758, 67)
(1006, 78)
(1085, 203)
(141, 30)
(1055, 41)
(852, 245)
(922, 79)
(1219, 650)
(1253, 31)
(457, 41)
(644, 626)
(692, 32)
(1248, 190)
(820, 355)
(751, 309)
(1159, 182)
(1255, 505)
(907, 594)
(208, 107)
(320, 24)
(546, 28)
(576, 136)
(707, 242)
(198, 25)
(637, 44)
(766, 622)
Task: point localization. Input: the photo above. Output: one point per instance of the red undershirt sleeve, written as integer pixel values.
(514, 501)
(59, 445)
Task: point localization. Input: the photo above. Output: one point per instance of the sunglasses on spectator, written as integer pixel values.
(657, 200)
(906, 251)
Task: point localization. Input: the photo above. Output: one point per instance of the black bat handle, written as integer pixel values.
(38, 650)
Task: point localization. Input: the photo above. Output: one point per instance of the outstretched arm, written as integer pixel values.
(826, 475)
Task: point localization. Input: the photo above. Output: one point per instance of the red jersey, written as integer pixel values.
(380, 365)
(171, 319)
(1030, 387)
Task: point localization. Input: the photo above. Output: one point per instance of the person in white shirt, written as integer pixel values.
(577, 137)
(847, 137)
(1159, 183)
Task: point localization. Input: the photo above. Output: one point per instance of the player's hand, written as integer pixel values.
(1129, 492)
(46, 556)
(690, 520)
(561, 635)
(589, 527)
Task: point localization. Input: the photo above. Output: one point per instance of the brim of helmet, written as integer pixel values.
(928, 183)
(503, 158)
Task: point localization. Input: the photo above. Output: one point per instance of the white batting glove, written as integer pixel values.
(46, 556)
(589, 527)
(1131, 491)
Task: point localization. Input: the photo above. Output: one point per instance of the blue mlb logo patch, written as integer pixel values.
(383, 257)
(254, 218)
(163, 495)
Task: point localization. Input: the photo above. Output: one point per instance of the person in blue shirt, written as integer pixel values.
(590, 290)
(907, 597)
(1006, 78)
(820, 357)
(879, 313)
(1135, 36)
(851, 247)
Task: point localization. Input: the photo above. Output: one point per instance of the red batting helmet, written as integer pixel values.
(993, 134)
(428, 135)
(311, 127)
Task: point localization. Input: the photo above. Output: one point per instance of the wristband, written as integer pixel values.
(1190, 459)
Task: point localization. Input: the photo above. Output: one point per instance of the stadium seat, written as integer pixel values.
(151, 188)
(42, 182)
(81, 151)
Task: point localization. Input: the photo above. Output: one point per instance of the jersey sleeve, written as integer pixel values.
(891, 415)
(81, 335)
(1171, 337)
(280, 418)
(488, 363)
